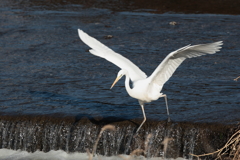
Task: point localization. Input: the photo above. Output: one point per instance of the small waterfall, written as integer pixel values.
(45, 133)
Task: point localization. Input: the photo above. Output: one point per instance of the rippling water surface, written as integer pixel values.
(46, 69)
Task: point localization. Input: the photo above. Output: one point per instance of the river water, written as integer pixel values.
(46, 70)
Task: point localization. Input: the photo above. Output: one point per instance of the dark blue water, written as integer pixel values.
(46, 69)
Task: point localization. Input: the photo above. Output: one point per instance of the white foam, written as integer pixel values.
(7, 154)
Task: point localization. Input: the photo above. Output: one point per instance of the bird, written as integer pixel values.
(147, 88)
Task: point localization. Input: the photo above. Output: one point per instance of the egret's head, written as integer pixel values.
(119, 76)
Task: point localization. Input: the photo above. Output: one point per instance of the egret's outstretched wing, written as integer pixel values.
(99, 49)
(165, 70)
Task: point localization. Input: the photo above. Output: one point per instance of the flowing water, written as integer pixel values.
(60, 155)
(45, 70)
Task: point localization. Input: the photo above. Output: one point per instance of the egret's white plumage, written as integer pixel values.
(98, 49)
(147, 89)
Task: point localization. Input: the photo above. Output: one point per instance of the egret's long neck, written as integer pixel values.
(127, 80)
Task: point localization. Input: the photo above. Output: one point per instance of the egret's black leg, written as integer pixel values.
(144, 117)
(165, 97)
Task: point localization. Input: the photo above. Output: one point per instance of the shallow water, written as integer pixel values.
(46, 69)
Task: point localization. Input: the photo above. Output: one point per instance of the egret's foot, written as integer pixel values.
(135, 135)
(169, 119)
(136, 132)
(139, 128)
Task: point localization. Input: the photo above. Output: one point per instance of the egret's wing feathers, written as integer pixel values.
(99, 49)
(165, 70)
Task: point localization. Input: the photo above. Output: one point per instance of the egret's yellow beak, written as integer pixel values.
(116, 80)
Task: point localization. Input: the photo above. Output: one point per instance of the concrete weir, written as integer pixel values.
(77, 134)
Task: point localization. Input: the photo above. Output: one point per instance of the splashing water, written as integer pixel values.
(7, 154)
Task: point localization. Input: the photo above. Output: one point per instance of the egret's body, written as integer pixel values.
(143, 91)
(147, 89)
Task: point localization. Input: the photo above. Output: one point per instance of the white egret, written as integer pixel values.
(147, 89)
